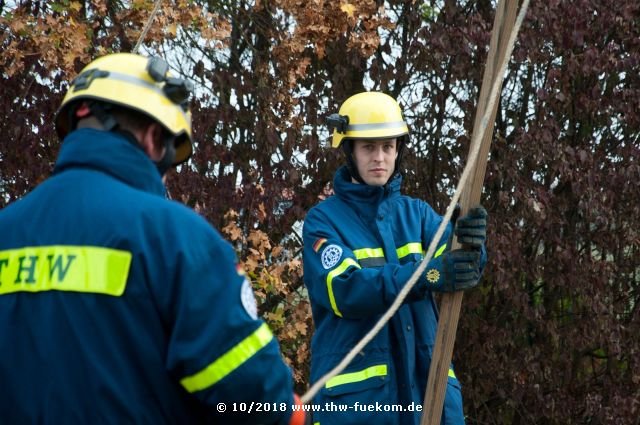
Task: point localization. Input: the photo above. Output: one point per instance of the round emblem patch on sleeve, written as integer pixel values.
(330, 256)
(433, 276)
(249, 300)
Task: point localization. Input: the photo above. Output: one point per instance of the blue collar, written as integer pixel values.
(112, 154)
(362, 197)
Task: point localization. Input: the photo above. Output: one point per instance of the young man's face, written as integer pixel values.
(375, 160)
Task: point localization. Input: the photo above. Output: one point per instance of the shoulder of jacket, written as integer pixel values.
(322, 214)
(324, 206)
(183, 221)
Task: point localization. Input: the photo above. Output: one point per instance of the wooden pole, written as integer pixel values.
(452, 302)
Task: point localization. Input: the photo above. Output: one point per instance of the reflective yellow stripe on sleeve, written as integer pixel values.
(410, 248)
(332, 274)
(368, 253)
(348, 378)
(370, 257)
(229, 361)
(440, 250)
(73, 268)
(416, 248)
(452, 374)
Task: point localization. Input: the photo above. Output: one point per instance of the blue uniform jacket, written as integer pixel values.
(360, 247)
(118, 306)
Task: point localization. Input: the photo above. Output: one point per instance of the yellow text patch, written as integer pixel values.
(64, 268)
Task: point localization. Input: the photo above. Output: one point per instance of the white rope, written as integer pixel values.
(471, 161)
(145, 30)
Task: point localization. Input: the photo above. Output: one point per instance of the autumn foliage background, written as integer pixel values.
(552, 334)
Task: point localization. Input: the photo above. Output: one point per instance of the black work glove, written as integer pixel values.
(459, 269)
(471, 229)
(455, 270)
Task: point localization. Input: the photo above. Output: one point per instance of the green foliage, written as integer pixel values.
(428, 12)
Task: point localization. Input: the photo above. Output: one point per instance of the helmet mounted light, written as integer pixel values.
(338, 122)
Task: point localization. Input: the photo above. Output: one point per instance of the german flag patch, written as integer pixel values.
(318, 244)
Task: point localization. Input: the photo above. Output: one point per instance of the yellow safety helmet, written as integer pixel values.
(138, 83)
(368, 115)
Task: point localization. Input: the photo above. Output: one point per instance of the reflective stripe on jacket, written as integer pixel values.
(360, 247)
(120, 306)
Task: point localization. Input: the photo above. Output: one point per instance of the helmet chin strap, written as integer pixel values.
(347, 149)
(101, 112)
(166, 161)
(402, 144)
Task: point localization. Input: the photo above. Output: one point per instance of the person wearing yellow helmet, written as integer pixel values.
(370, 116)
(360, 248)
(118, 305)
(124, 92)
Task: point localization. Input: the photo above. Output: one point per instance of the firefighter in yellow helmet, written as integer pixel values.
(360, 248)
(122, 93)
(368, 116)
(116, 304)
